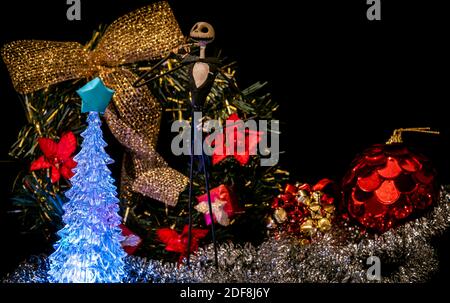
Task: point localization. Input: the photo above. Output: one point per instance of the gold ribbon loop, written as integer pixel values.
(134, 116)
(144, 34)
(35, 64)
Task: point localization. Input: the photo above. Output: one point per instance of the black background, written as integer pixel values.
(342, 82)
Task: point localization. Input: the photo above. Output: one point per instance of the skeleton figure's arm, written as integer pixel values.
(150, 75)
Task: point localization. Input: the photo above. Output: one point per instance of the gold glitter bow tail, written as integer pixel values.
(143, 170)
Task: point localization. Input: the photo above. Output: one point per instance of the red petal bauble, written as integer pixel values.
(388, 184)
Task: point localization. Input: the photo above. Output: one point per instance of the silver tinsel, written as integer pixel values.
(333, 257)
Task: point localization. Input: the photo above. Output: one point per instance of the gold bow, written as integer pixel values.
(134, 115)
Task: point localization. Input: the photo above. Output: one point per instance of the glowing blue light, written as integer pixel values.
(89, 250)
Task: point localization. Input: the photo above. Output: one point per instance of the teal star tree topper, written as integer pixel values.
(95, 96)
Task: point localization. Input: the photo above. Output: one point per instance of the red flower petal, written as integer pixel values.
(171, 238)
(48, 147)
(55, 174)
(178, 243)
(66, 146)
(233, 117)
(166, 234)
(40, 163)
(217, 158)
(242, 159)
(70, 163)
(252, 138)
(240, 142)
(66, 172)
(215, 140)
(199, 233)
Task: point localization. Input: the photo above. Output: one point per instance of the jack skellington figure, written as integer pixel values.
(202, 74)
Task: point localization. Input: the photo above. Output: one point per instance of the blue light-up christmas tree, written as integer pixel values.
(89, 250)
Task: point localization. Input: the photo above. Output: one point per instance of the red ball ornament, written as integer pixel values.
(387, 184)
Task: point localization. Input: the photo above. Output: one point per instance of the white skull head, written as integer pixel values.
(202, 31)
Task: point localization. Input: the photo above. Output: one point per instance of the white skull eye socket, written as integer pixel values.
(204, 29)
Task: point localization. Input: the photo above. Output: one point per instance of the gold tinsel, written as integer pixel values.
(134, 115)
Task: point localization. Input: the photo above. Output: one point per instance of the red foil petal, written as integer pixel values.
(374, 150)
(424, 176)
(374, 208)
(402, 209)
(378, 159)
(422, 197)
(387, 193)
(370, 183)
(410, 164)
(391, 170)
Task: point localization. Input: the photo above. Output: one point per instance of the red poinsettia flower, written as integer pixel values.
(246, 139)
(57, 156)
(179, 242)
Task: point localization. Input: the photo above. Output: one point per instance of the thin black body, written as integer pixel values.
(198, 99)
